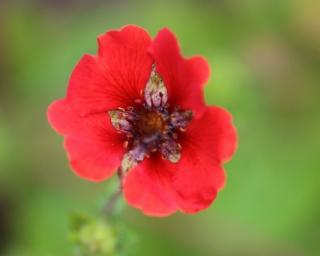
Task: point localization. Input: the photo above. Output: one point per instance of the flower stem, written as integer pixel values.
(109, 207)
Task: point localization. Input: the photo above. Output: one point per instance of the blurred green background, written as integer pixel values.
(265, 62)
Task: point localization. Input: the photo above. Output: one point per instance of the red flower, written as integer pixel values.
(139, 104)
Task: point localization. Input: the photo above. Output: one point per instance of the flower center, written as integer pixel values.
(152, 127)
(150, 122)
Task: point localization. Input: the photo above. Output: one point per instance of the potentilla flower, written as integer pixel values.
(138, 105)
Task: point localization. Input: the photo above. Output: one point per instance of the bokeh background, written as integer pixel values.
(265, 61)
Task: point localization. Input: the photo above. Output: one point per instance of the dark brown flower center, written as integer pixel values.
(150, 122)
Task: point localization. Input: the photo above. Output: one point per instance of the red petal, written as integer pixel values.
(94, 148)
(148, 187)
(214, 134)
(208, 142)
(184, 78)
(116, 77)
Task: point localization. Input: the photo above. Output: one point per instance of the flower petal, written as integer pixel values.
(94, 147)
(213, 135)
(116, 77)
(148, 187)
(184, 78)
(208, 142)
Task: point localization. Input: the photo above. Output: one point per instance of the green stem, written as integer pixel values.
(112, 201)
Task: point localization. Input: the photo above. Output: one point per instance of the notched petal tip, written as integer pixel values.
(126, 34)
